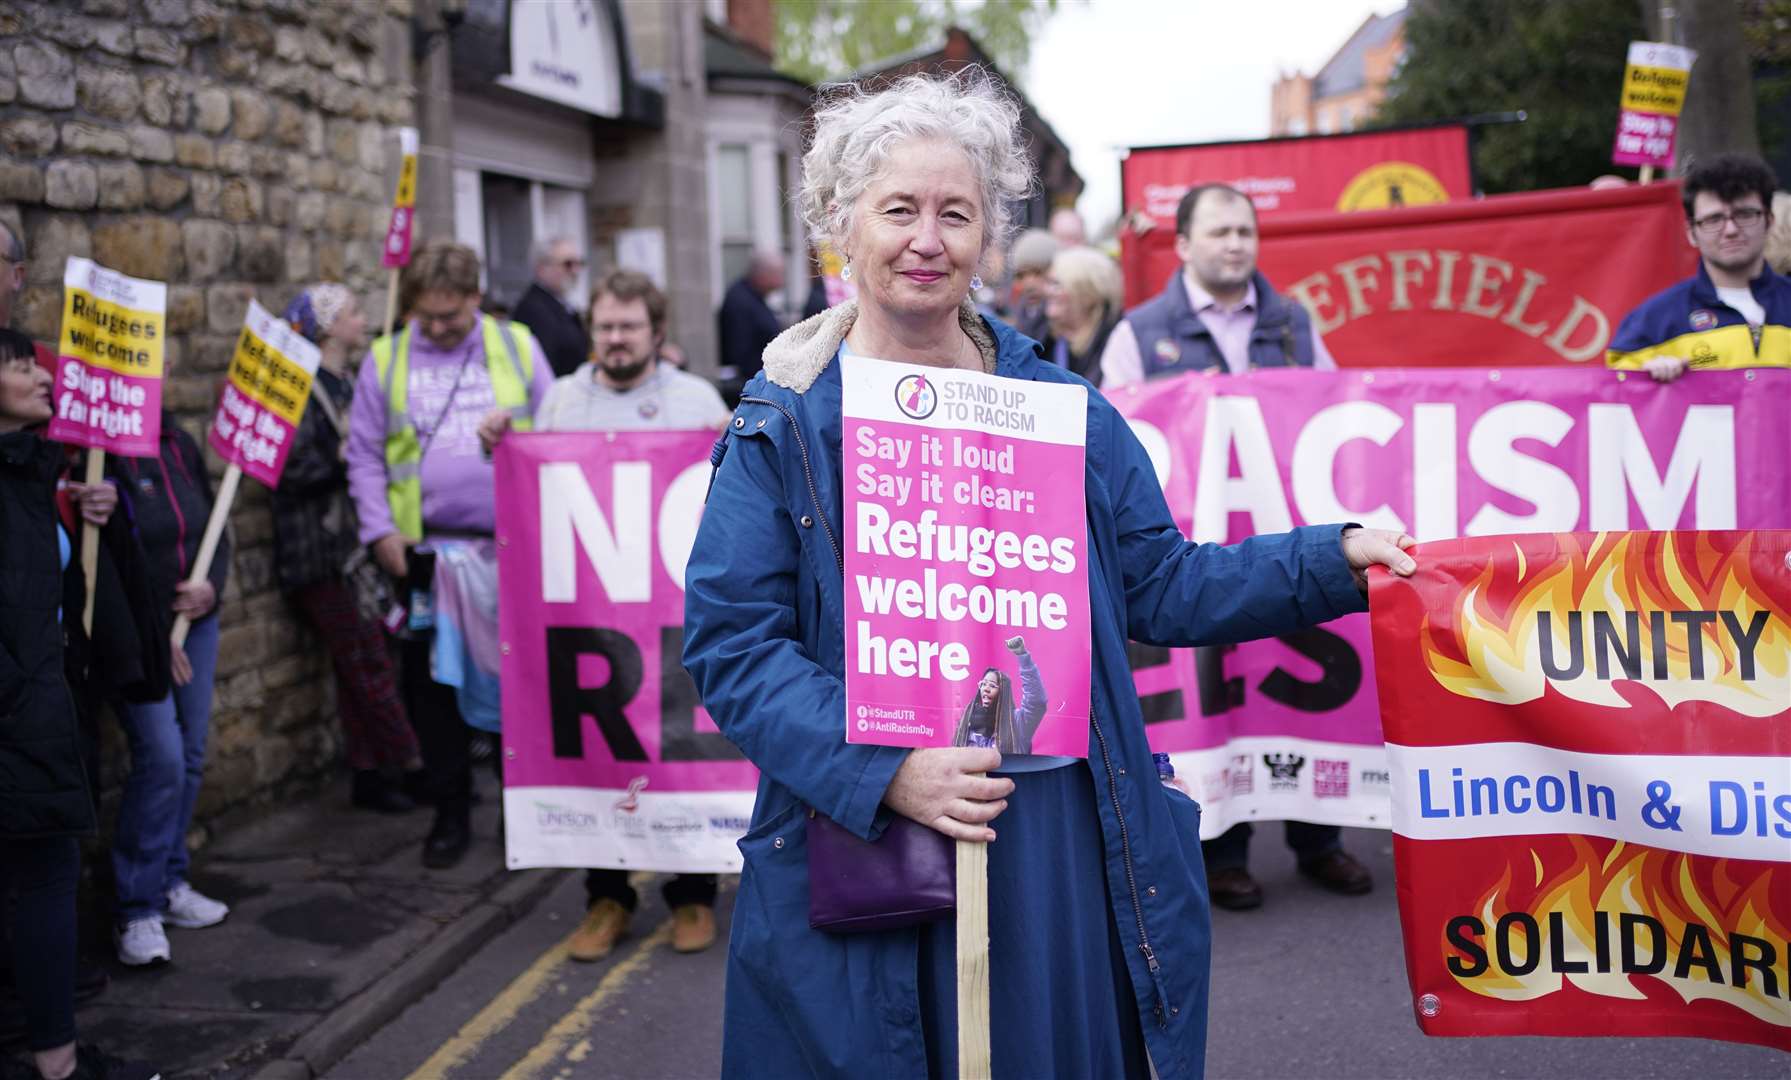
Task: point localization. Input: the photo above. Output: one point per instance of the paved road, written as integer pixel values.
(1310, 986)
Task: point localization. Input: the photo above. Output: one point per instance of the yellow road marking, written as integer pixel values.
(572, 1027)
(494, 1017)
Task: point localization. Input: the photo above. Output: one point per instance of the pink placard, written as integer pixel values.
(264, 396)
(1290, 728)
(1645, 138)
(108, 389)
(610, 760)
(965, 556)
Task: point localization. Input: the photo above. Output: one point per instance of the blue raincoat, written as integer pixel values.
(765, 643)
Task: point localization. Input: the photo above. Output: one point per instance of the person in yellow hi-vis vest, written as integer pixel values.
(424, 493)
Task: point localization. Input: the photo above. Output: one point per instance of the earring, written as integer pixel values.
(976, 282)
(846, 272)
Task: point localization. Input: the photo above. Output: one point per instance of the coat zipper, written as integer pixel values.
(1125, 851)
(808, 473)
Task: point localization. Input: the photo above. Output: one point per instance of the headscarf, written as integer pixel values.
(313, 311)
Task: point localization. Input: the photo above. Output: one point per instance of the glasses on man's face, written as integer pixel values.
(573, 264)
(1745, 218)
(430, 320)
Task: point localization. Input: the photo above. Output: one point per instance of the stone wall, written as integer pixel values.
(231, 148)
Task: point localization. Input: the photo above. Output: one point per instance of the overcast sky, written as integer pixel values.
(1108, 74)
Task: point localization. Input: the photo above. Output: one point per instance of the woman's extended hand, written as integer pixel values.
(941, 788)
(1376, 547)
(96, 501)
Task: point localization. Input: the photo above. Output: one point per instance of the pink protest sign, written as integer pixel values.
(609, 758)
(966, 563)
(396, 251)
(1290, 728)
(109, 369)
(1654, 83)
(264, 395)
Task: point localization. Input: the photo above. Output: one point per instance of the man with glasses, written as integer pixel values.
(1736, 311)
(544, 310)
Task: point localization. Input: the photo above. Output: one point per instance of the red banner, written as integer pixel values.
(1539, 278)
(1371, 170)
(1589, 743)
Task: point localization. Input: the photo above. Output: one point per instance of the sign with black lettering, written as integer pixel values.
(609, 758)
(1438, 454)
(1589, 740)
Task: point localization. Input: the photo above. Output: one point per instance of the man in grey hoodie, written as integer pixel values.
(626, 387)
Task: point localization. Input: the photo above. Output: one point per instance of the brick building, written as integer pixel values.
(1347, 89)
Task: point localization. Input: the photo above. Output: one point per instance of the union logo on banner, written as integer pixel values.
(1590, 746)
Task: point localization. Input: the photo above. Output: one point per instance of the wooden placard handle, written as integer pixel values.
(90, 537)
(973, 961)
(208, 545)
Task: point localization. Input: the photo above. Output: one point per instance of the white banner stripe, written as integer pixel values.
(684, 832)
(1727, 807)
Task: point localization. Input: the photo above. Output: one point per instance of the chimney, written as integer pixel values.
(751, 22)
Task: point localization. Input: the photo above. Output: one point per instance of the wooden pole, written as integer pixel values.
(1647, 174)
(392, 303)
(90, 536)
(973, 961)
(208, 545)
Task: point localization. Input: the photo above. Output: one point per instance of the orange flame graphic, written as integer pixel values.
(1491, 648)
(1688, 895)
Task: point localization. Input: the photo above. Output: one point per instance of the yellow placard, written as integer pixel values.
(1654, 89)
(110, 336)
(261, 373)
(406, 195)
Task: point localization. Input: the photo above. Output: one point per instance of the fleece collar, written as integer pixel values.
(796, 357)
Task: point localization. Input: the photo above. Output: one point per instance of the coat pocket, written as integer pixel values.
(771, 911)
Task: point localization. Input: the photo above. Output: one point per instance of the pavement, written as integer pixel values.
(335, 928)
(344, 959)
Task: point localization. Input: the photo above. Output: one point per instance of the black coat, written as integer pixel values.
(170, 498)
(747, 324)
(562, 336)
(314, 519)
(43, 787)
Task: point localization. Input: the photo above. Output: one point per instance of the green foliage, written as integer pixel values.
(1559, 62)
(817, 40)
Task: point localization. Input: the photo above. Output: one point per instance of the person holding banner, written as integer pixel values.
(1736, 311)
(1098, 935)
(627, 386)
(46, 804)
(1221, 315)
(421, 485)
(170, 497)
(314, 537)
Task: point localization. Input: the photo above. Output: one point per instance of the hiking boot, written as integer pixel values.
(603, 926)
(693, 927)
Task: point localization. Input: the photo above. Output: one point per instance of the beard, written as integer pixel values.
(626, 372)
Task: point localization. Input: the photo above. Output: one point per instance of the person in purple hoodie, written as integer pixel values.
(421, 484)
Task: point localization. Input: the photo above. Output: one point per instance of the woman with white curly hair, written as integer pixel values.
(1098, 919)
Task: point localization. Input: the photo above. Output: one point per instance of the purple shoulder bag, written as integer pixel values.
(905, 877)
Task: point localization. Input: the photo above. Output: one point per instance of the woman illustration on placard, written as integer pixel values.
(992, 719)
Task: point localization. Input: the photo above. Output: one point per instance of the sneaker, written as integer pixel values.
(693, 927)
(92, 1063)
(142, 942)
(190, 909)
(604, 925)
